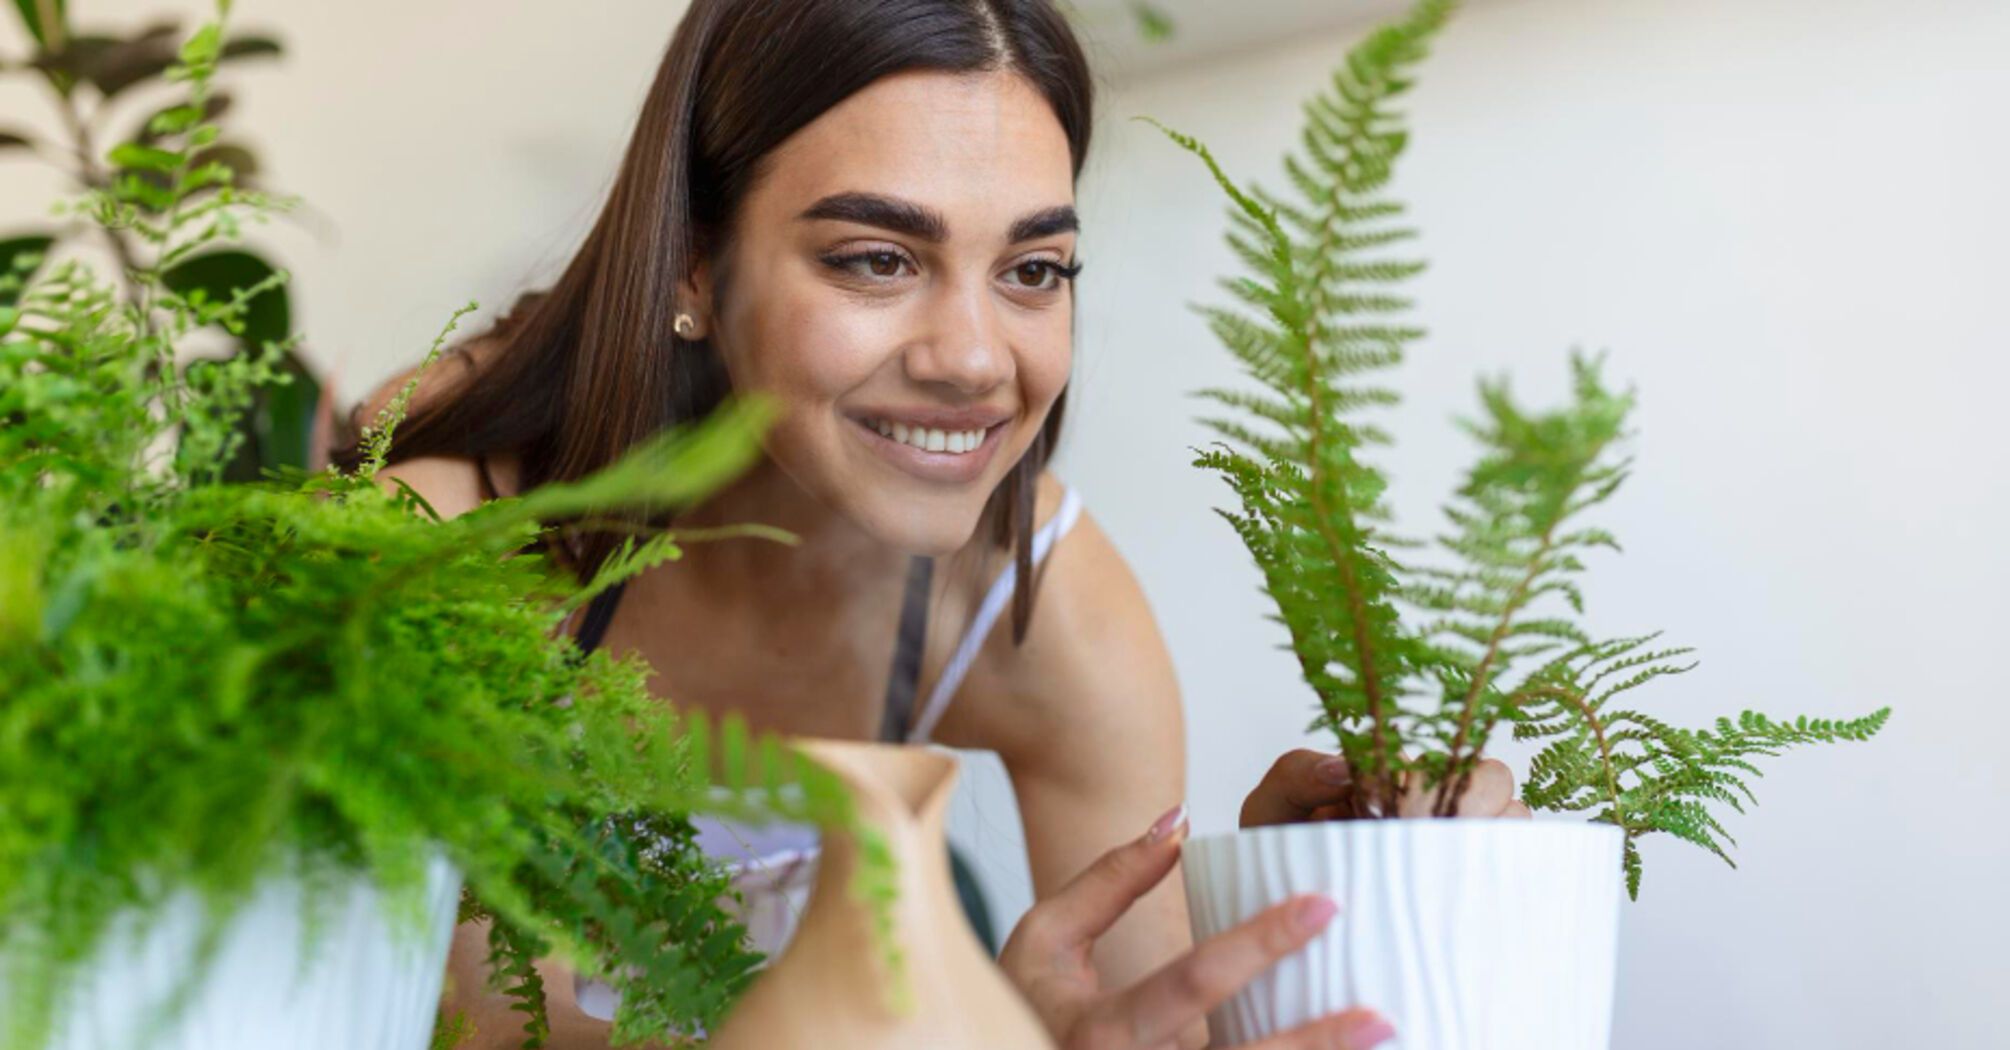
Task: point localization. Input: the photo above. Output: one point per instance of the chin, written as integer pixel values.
(929, 531)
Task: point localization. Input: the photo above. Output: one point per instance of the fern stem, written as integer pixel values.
(1447, 798)
(1371, 686)
(88, 175)
(1574, 699)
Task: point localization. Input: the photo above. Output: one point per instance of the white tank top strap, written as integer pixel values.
(993, 606)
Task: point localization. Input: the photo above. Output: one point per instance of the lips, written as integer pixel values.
(955, 449)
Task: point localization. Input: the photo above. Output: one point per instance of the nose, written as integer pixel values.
(964, 344)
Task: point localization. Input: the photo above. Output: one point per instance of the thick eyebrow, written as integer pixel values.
(902, 216)
(1058, 219)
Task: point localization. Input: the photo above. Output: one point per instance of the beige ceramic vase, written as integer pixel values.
(831, 988)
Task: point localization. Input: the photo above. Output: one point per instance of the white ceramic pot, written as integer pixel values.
(1465, 934)
(367, 985)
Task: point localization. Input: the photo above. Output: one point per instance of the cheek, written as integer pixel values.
(808, 355)
(806, 352)
(1045, 363)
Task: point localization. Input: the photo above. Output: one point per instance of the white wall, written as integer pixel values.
(1785, 219)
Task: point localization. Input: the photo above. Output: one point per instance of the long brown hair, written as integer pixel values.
(582, 371)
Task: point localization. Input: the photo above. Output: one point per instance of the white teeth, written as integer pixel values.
(955, 442)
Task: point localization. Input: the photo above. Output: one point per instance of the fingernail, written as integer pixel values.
(1334, 771)
(1315, 912)
(1167, 824)
(1367, 1029)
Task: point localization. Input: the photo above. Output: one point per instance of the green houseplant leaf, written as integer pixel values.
(20, 259)
(41, 17)
(280, 422)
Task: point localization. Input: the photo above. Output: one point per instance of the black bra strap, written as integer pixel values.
(905, 678)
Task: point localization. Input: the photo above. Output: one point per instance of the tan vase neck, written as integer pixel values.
(890, 784)
(833, 986)
(901, 794)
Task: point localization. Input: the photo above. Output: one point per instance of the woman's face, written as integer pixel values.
(896, 287)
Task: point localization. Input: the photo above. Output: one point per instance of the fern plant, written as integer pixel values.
(1418, 651)
(204, 684)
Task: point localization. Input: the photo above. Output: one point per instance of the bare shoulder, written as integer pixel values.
(1092, 667)
(1086, 597)
(1089, 607)
(453, 485)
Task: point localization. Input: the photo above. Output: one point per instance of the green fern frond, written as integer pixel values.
(1319, 319)
(1324, 319)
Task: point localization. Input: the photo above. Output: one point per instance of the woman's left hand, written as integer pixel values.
(1048, 960)
(1308, 785)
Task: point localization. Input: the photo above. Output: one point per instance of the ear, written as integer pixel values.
(694, 296)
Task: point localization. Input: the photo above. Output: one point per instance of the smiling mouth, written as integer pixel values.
(929, 439)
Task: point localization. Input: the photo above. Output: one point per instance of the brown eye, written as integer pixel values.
(1033, 275)
(875, 264)
(883, 264)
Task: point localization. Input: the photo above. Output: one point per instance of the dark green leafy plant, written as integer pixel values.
(93, 81)
(1416, 664)
(205, 684)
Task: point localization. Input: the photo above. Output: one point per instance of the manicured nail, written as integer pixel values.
(1167, 824)
(1315, 912)
(1366, 1029)
(1334, 771)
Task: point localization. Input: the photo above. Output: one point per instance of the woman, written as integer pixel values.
(864, 208)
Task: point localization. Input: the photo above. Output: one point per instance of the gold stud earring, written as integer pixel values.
(684, 325)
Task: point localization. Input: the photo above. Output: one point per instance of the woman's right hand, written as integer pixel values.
(1047, 957)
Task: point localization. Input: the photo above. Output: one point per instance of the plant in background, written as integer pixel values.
(94, 82)
(1154, 24)
(1149, 20)
(207, 685)
(1417, 664)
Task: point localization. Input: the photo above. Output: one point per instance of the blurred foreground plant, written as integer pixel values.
(203, 684)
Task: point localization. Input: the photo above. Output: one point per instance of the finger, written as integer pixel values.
(1355, 1029)
(1418, 795)
(1489, 791)
(1093, 901)
(1297, 784)
(1157, 1008)
(1518, 810)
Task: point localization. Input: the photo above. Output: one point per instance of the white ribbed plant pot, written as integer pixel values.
(1465, 934)
(367, 985)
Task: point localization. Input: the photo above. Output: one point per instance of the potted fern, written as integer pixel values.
(261, 744)
(1465, 933)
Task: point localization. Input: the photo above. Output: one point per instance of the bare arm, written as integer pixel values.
(1086, 716)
